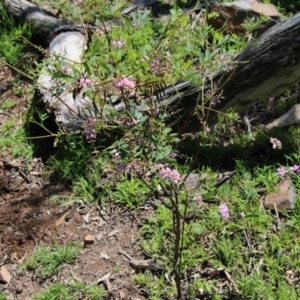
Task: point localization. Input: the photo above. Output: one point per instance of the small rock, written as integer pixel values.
(99, 236)
(86, 218)
(122, 295)
(193, 180)
(104, 256)
(234, 15)
(284, 198)
(89, 240)
(5, 277)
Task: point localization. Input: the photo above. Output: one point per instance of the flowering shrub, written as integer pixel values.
(124, 83)
(283, 171)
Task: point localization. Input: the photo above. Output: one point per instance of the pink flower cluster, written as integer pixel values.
(85, 82)
(118, 44)
(224, 211)
(282, 171)
(167, 173)
(124, 82)
(276, 143)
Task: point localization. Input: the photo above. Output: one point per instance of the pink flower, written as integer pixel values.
(118, 44)
(67, 69)
(224, 211)
(167, 173)
(155, 112)
(116, 156)
(276, 143)
(155, 63)
(124, 82)
(198, 198)
(85, 82)
(173, 155)
(295, 169)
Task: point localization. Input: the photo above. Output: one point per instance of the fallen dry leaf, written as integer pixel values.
(59, 221)
(113, 232)
(104, 277)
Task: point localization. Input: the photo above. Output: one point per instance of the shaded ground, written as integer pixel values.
(30, 217)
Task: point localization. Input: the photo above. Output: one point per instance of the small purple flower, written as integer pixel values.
(222, 57)
(155, 112)
(224, 211)
(282, 171)
(124, 82)
(155, 63)
(295, 169)
(198, 198)
(276, 143)
(116, 156)
(173, 155)
(215, 100)
(90, 130)
(121, 167)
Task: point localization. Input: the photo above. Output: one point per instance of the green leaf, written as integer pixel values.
(61, 75)
(199, 229)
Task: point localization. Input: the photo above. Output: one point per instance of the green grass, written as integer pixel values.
(72, 291)
(3, 296)
(13, 47)
(48, 260)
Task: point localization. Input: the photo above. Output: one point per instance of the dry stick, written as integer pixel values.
(279, 225)
(247, 240)
(232, 281)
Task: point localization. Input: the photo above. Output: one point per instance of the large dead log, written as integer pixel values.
(265, 69)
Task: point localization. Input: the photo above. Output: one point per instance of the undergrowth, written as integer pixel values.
(212, 239)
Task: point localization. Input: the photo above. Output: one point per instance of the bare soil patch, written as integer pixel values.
(29, 218)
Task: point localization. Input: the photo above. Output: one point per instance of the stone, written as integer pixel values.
(89, 240)
(5, 277)
(284, 197)
(234, 15)
(194, 179)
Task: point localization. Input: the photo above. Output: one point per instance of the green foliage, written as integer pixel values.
(138, 157)
(12, 46)
(3, 296)
(72, 291)
(47, 260)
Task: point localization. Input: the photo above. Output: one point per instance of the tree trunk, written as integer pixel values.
(265, 69)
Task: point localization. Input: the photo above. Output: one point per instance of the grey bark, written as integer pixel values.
(265, 69)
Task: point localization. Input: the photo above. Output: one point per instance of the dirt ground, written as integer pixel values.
(29, 217)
